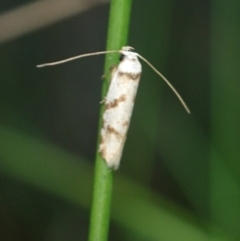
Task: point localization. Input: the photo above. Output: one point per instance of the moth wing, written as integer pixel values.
(114, 158)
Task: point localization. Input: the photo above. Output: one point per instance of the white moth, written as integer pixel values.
(119, 102)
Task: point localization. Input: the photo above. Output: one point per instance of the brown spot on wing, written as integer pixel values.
(102, 148)
(112, 130)
(102, 151)
(115, 103)
(131, 76)
(125, 123)
(101, 140)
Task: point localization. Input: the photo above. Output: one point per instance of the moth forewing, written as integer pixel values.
(119, 104)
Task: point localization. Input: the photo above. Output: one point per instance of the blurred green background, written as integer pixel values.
(179, 175)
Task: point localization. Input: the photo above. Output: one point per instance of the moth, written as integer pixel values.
(119, 101)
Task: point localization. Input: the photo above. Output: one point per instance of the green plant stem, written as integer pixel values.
(103, 179)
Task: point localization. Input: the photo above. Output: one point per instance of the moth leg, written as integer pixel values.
(102, 101)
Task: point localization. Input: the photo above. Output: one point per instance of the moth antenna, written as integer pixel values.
(76, 57)
(167, 82)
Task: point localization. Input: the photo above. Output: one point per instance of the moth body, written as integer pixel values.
(119, 104)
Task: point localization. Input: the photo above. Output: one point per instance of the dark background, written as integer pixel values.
(180, 172)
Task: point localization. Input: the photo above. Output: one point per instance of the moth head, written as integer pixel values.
(128, 54)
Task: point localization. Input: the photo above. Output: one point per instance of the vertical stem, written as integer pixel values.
(103, 179)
